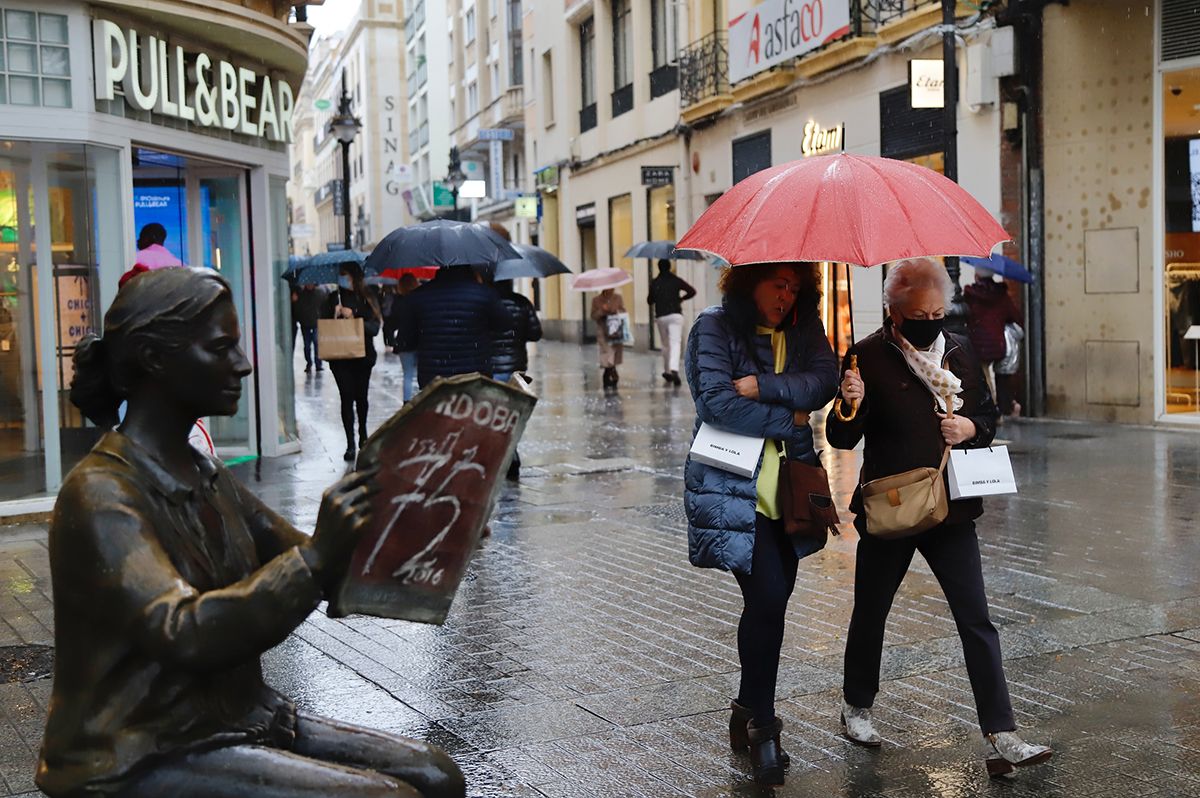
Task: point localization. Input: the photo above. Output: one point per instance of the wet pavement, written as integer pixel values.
(585, 657)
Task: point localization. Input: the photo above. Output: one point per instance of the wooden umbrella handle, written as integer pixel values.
(837, 405)
(949, 400)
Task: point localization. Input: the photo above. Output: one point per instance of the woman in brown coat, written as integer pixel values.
(608, 303)
(919, 390)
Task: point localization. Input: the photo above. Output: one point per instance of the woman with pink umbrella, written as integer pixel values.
(608, 312)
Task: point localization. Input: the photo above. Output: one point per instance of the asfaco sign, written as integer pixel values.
(158, 77)
(775, 31)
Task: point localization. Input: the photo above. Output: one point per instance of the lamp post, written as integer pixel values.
(455, 178)
(957, 312)
(345, 126)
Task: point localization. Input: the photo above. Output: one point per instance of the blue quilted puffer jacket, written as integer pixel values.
(450, 322)
(720, 505)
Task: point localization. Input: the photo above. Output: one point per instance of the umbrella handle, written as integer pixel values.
(837, 405)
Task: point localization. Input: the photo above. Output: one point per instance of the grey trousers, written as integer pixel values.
(327, 759)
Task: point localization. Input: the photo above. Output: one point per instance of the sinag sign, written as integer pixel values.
(773, 31)
(194, 87)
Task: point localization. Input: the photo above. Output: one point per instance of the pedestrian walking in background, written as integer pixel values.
(394, 320)
(510, 354)
(451, 322)
(307, 305)
(920, 390)
(757, 366)
(990, 310)
(668, 292)
(609, 341)
(352, 300)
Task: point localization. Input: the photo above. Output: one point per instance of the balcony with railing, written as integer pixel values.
(704, 87)
(704, 77)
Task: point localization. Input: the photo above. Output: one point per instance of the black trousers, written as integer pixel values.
(765, 593)
(353, 378)
(952, 552)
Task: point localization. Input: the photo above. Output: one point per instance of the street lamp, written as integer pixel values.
(345, 126)
(455, 178)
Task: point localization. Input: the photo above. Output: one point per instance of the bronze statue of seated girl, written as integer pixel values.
(171, 579)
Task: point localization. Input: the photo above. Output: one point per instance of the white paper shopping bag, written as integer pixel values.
(980, 472)
(728, 451)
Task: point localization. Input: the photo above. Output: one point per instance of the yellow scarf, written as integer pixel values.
(768, 474)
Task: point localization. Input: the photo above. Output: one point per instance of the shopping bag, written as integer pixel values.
(728, 451)
(341, 339)
(441, 458)
(1013, 335)
(614, 326)
(980, 472)
(626, 330)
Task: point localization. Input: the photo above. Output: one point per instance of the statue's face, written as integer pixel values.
(207, 375)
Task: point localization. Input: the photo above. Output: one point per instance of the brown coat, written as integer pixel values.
(899, 418)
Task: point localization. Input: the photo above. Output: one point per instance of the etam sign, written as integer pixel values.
(775, 31)
(157, 77)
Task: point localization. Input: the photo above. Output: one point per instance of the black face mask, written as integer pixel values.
(921, 332)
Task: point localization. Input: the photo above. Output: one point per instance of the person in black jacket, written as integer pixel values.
(920, 390)
(393, 321)
(668, 292)
(306, 307)
(353, 376)
(509, 353)
(451, 322)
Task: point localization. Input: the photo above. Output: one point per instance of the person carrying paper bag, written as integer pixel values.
(920, 391)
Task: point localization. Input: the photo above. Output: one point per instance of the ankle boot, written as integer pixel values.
(764, 752)
(739, 736)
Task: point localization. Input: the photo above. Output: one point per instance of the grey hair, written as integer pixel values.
(915, 274)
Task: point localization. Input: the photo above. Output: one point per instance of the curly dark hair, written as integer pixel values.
(738, 283)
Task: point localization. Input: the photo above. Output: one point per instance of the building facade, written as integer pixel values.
(602, 103)
(640, 115)
(367, 61)
(1122, 240)
(117, 115)
(430, 105)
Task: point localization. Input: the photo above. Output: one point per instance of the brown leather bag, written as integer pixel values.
(805, 500)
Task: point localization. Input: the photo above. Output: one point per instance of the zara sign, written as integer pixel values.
(157, 77)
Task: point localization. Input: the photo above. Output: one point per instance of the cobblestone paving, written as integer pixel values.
(585, 657)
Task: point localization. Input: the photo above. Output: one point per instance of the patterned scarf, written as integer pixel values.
(927, 365)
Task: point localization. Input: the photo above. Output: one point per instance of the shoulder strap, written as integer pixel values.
(945, 459)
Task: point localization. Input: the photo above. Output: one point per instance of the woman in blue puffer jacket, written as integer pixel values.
(757, 365)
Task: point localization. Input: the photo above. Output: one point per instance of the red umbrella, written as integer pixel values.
(847, 209)
(420, 272)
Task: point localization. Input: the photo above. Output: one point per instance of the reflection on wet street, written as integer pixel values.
(584, 656)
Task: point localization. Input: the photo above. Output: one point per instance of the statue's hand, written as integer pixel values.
(345, 514)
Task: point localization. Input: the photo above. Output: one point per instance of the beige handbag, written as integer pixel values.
(907, 504)
(340, 339)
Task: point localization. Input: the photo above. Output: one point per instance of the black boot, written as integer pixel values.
(739, 735)
(615, 377)
(610, 375)
(764, 752)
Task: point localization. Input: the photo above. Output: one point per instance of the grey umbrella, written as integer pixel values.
(661, 250)
(534, 262)
(440, 243)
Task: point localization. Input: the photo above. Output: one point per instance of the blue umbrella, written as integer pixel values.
(660, 250)
(323, 268)
(1007, 268)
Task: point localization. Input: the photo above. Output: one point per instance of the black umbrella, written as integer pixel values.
(661, 250)
(440, 243)
(534, 262)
